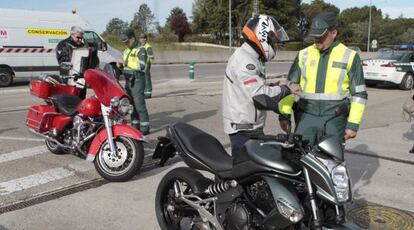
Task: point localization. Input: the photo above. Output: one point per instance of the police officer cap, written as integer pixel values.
(127, 34)
(143, 36)
(321, 23)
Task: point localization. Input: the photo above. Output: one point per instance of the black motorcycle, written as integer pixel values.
(275, 182)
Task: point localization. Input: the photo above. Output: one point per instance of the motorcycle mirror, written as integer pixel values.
(264, 102)
(66, 65)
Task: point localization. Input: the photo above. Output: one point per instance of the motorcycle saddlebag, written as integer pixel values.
(39, 117)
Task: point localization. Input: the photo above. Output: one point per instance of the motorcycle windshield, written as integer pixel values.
(104, 84)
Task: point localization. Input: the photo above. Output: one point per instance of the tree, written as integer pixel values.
(179, 23)
(115, 26)
(143, 20)
(356, 14)
(316, 7)
(174, 12)
(286, 12)
(407, 36)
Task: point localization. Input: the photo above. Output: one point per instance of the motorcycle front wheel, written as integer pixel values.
(173, 213)
(123, 165)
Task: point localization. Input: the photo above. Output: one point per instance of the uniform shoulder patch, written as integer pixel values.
(250, 67)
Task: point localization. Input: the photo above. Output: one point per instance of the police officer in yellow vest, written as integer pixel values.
(148, 48)
(329, 74)
(134, 64)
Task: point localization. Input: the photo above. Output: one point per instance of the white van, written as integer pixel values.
(28, 40)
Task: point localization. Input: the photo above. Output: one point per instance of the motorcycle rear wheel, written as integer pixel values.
(173, 214)
(127, 163)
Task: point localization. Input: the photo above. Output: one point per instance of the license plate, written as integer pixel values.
(371, 74)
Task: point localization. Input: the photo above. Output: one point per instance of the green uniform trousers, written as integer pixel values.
(148, 82)
(311, 126)
(135, 86)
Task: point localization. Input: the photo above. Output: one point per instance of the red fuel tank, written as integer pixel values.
(90, 107)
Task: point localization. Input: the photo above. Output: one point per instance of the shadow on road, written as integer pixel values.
(6, 130)
(385, 86)
(20, 82)
(361, 169)
(409, 134)
(159, 121)
(184, 92)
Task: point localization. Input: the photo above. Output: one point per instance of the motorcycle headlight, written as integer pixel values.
(288, 211)
(340, 179)
(124, 106)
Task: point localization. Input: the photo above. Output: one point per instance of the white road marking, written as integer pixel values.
(44, 177)
(34, 180)
(23, 153)
(8, 91)
(7, 109)
(21, 139)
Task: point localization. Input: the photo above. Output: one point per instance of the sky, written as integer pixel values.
(99, 12)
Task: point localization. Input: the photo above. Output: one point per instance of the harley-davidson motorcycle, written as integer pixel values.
(275, 182)
(94, 128)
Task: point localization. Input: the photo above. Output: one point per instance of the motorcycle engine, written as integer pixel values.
(238, 217)
(261, 196)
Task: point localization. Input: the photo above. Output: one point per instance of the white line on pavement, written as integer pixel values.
(8, 91)
(23, 153)
(44, 177)
(34, 180)
(21, 139)
(6, 109)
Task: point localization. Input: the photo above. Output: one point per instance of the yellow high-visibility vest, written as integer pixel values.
(150, 53)
(131, 59)
(337, 81)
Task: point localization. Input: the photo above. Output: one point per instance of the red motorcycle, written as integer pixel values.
(94, 128)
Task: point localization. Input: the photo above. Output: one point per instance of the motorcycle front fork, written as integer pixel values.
(312, 198)
(108, 126)
(316, 219)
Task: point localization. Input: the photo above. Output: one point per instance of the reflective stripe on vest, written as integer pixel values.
(323, 96)
(337, 79)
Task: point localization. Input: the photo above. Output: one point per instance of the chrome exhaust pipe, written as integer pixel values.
(50, 139)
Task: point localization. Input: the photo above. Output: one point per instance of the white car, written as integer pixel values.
(390, 67)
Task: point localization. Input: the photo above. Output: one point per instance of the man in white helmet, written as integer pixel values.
(245, 78)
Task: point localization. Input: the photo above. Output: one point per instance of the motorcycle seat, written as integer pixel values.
(204, 147)
(66, 104)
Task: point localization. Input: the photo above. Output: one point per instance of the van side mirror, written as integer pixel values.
(103, 46)
(264, 102)
(66, 65)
